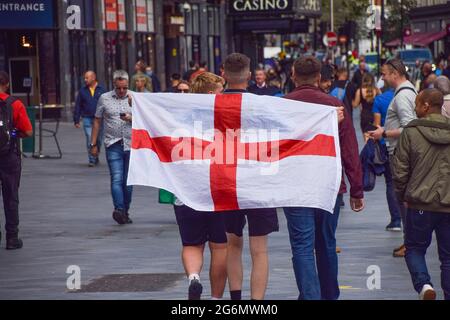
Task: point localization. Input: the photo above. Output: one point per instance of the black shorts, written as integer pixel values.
(261, 222)
(198, 227)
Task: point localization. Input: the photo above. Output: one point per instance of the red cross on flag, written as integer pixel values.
(236, 151)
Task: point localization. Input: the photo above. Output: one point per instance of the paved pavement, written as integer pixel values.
(65, 213)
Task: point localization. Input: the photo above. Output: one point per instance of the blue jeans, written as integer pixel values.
(118, 162)
(87, 126)
(418, 233)
(310, 229)
(393, 204)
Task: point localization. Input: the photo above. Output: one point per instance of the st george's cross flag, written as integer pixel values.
(236, 150)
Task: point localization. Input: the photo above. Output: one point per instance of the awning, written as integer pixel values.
(420, 39)
(430, 37)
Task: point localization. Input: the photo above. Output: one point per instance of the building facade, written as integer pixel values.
(54, 42)
(430, 22)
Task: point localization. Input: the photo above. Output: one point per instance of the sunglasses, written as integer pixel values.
(183, 90)
(389, 62)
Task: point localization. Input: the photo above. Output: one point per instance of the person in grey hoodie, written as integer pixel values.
(422, 181)
(400, 113)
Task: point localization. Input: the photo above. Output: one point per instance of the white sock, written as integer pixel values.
(214, 298)
(193, 276)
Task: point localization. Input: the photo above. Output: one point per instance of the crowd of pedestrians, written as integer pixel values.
(408, 124)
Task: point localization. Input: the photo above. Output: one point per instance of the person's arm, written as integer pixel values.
(97, 125)
(401, 165)
(95, 130)
(351, 163)
(21, 121)
(77, 111)
(357, 100)
(377, 119)
(376, 110)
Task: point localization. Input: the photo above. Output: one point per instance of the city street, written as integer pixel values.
(65, 213)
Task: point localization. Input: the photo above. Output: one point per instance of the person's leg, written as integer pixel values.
(218, 269)
(193, 235)
(326, 256)
(234, 262)
(10, 172)
(260, 267)
(234, 226)
(301, 225)
(127, 190)
(394, 208)
(192, 257)
(399, 251)
(261, 222)
(114, 156)
(418, 236)
(443, 241)
(87, 127)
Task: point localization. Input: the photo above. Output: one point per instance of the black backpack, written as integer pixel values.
(7, 141)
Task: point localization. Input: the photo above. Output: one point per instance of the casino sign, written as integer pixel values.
(260, 6)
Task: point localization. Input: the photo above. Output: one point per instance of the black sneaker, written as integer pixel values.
(195, 290)
(394, 226)
(14, 243)
(119, 217)
(91, 164)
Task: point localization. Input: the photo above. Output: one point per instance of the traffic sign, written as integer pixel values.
(331, 38)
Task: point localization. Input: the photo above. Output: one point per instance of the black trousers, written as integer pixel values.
(10, 171)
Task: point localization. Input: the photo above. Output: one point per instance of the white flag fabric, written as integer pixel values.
(236, 151)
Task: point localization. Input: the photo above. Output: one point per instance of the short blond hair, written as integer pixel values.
(206, 82)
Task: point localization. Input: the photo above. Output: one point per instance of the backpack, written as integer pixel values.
(339, 92)
(7, 140)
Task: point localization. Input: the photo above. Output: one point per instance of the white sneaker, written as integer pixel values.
(427, 293)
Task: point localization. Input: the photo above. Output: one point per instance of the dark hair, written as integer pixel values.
(397, 65)
(203, 64)
(326, 72)
(175, 76)
(433, 96)
(191, 64)
(236, 63)
(306, 68)
(4, 78)
(183, 82)
(142, 65)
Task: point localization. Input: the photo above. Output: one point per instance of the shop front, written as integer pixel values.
(82, 42)
(266, 23)
(29, 49)
(144, 27)
(116, 38)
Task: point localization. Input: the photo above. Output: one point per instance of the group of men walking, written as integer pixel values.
(419, 159)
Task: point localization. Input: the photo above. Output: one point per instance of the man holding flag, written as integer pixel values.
(312, 228)
(215, 153)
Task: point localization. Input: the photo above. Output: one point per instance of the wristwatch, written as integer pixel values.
(384, 134)
(92, 145)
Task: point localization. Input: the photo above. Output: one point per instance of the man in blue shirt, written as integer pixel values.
(85, 107)
(380, 107)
